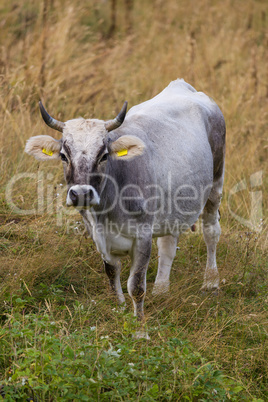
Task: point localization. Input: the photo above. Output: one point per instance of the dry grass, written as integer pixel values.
(65, 55)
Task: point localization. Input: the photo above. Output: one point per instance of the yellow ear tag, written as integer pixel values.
(49, 153)
(123, 152)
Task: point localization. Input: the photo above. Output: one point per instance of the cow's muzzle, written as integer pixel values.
(82, 196)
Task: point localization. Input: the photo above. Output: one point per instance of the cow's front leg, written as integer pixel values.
(113, 273)
(136, 284)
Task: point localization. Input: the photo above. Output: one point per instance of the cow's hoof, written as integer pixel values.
(160, 289)
(211, 285)
(121, 308)
(141, 335)
(121, 299)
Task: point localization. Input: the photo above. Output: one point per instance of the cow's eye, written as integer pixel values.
(63, 157)
(104, 158)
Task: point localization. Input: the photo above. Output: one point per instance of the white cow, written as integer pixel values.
(151, 176)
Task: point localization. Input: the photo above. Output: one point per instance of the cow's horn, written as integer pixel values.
(53, 123)
(115, 123)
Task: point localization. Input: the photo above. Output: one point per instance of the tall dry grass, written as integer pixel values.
(65, 53)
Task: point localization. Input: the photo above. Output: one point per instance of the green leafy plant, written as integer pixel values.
(44, 361)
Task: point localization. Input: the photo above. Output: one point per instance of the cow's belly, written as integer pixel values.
(173, 225)
(181, 209)
(119, 245)
(112, 246)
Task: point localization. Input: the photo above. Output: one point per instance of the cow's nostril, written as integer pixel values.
(88, 197)
(74, 196)
(89, 194)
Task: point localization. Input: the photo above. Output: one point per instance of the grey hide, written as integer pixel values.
(171, 173)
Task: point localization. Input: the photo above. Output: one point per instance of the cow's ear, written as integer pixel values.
(43, 147)
(126, 147)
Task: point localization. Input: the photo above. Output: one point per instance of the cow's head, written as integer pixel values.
(84, 149)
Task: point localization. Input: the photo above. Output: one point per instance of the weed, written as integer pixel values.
(45, 360)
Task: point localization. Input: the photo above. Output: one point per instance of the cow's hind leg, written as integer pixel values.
(113, 273)
(211, 232)
(166, 253)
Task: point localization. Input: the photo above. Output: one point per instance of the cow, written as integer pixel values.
(147, 173)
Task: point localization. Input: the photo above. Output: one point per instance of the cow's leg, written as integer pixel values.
(136, 283)
(166, 253)
(211, 232)
(113, 273)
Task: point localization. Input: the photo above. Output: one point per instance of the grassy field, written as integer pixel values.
(62, 336)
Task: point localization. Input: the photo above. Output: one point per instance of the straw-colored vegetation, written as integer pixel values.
(81, 62)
